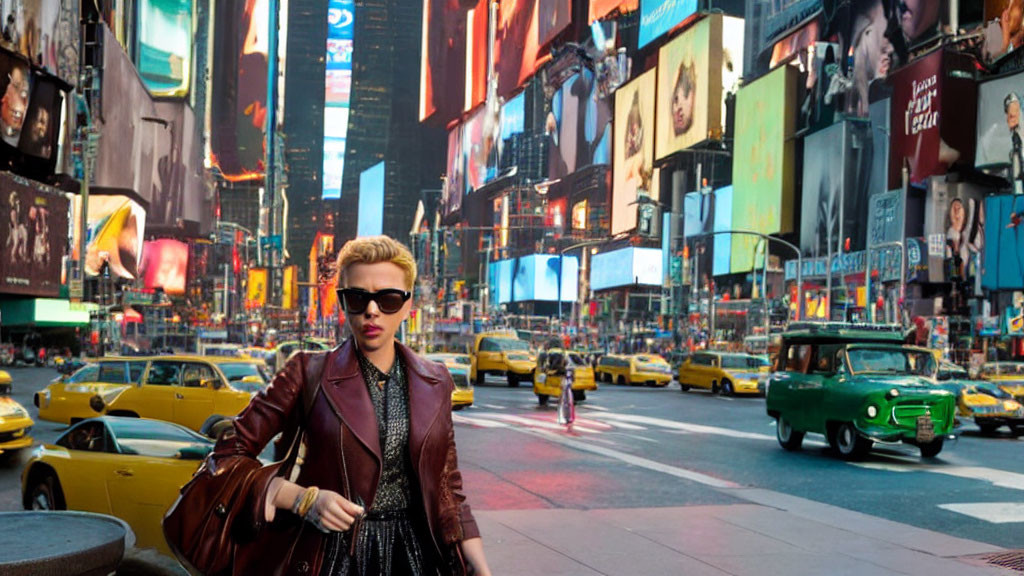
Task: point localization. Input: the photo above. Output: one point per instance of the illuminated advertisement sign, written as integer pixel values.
(1004, 243)
(238, 94)
(32, 238)
(337, 92)
(722, 248)
(626, 267)
(659, 16)
(164, 55)
(523, 28)
(115, 233)
(763, 169)
(698, 213)
(999, 113)
(371, 201)
(165, 265)
(500, 281)
(16, 85)
(45, 32)
(633, 172)
(536, 278)
(256, 288)
(454, 182)
(510, 141)
(601, 8)
(690, 86)
(478, 141)
(577, 126)
(445, 75)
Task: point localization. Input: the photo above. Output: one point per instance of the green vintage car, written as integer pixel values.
(857, 385)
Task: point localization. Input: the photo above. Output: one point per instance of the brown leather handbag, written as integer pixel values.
(200, 526)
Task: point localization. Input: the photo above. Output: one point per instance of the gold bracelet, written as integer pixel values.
(308, 499)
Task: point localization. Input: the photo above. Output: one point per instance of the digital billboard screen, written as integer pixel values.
(522, 29)
(763, 166)
(513, 123)
(633, 167)
(116, 229)
(626, 267)
(722, 246)
(454, 182)
(341, 16)
(164, 55)
(165, 265)
(33, 238)
(577, 126)
(600, 8)
(1004, 243)
(690, 86)
(238, 95)
(371, 201)
(500, 281)
(659, 16)
(479, 135)
(536, 278)
(999, 114)
(45, 32)
(16, 86)
(443, 67)
(41, 128)
(698, 213)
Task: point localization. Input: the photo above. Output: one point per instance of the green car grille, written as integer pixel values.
(905, 414)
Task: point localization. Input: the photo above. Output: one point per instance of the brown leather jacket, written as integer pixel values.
(342, 412)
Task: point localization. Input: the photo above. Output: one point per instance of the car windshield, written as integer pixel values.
(237, 371)
(650, 360)
(504, 345)
(87, 373)
(149, 438)
(891, 361)
(989, 390)
(950, 371)
(743, 362)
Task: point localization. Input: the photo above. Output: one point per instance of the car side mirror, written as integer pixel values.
(213, 383)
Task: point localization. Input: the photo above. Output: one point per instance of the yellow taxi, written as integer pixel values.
(503, 354)
(15, 423)
(458, 367)
(727, 373)
(194, 391)
(550, 372)
(131, 468)
(1009, 376)
(635, 369)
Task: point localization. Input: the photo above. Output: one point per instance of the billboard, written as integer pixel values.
(698, 213)
(626, 267)
(337, 92)
(690, 86)
(1000, 133)
(763, 152)
(536, 278)
(1004, 28)
(177, 190)
(256, 288)
(578, 126)
(633, 166)
(454, 182)
(836, 179)
(1003, 266)
(115, 233)
(479, 135)
(40, 132)
(290, 287)
(165, 265)
(500, 281)
(600, 8)
(886, 217)
(238, 88)
(371, 201)
(522, 29)
(15, 85)
(722, 246)
(511, 141)
(659, 16)
(444, 70)
(929, 128)
(45, 32)
(164, 54)
(33, 238)
(955, 214)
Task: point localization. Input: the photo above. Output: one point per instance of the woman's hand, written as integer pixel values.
(334, 512)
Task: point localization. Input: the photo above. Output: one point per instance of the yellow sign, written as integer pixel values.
(289, 287)
(256, 295)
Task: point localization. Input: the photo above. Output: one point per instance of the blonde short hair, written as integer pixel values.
(373, 250)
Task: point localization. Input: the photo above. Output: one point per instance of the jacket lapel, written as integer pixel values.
(426, 400)
(347, 393)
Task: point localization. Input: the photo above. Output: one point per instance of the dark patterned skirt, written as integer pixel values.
(387, 543)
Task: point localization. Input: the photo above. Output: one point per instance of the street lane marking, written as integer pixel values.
(493, 406)
(993, 512)
(998, 478)
(683, 426)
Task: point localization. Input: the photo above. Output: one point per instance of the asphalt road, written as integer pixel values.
(643, 447)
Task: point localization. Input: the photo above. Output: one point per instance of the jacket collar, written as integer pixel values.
(346, 390)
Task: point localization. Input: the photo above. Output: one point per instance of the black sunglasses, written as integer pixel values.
(356, 300)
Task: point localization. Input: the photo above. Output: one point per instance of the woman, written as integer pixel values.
(684, 98)
(379, 431)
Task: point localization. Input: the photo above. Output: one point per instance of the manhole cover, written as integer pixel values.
(1013, 560)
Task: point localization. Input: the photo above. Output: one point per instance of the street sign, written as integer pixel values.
(271, 242)
(75, 288)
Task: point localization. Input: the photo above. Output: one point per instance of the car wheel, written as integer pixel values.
(479, 380)
(46, 494)
(849, 443)
(789, 438)
(726, 388)
(932, 449)
(714, 386)
(621, 381)
(542, 399)
(988, 428)
(579, 395)
(684, 387)
(513, 380)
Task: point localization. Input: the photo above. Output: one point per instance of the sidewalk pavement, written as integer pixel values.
(767, 533)
(772, 534)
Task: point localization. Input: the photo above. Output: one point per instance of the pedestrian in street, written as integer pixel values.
(379, 481)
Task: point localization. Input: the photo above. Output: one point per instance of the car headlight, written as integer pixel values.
(1011, 405)
(872, 411)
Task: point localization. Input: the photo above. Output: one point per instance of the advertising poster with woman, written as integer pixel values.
(633, 166)
(690, 87)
